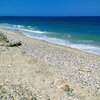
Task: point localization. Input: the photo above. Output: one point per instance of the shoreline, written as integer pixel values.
(89, 48)
(65, 46)
(79, 69)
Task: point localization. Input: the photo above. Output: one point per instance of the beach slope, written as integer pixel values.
(32, 69)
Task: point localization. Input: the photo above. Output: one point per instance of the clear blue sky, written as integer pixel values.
(49, 7)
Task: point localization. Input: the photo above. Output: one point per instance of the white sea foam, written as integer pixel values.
(34, 31)
(22, 28)
(87, 48)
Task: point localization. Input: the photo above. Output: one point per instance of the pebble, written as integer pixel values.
(9, 65)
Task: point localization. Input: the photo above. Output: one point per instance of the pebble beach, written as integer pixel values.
(39, 70)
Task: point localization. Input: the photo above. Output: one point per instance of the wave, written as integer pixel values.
(22, 28)
(87, 48)
(84, 45)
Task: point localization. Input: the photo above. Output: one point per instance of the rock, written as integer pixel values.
(9, 65)
(85, 69)
(34, 98)
(3, 38)
(61, 85)
(15, 44)
(64, 87)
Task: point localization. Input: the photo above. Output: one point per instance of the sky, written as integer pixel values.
(49, 7)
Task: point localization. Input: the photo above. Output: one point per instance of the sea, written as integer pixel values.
(77, 32)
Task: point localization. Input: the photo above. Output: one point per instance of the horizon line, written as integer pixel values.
(46, 16)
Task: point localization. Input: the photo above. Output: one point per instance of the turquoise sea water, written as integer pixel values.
(77, 32)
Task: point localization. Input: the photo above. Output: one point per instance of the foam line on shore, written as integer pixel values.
(40, 35)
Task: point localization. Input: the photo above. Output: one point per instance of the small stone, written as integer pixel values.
(64, 87)
(85, 70)
(9, 65)
(34, 98)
